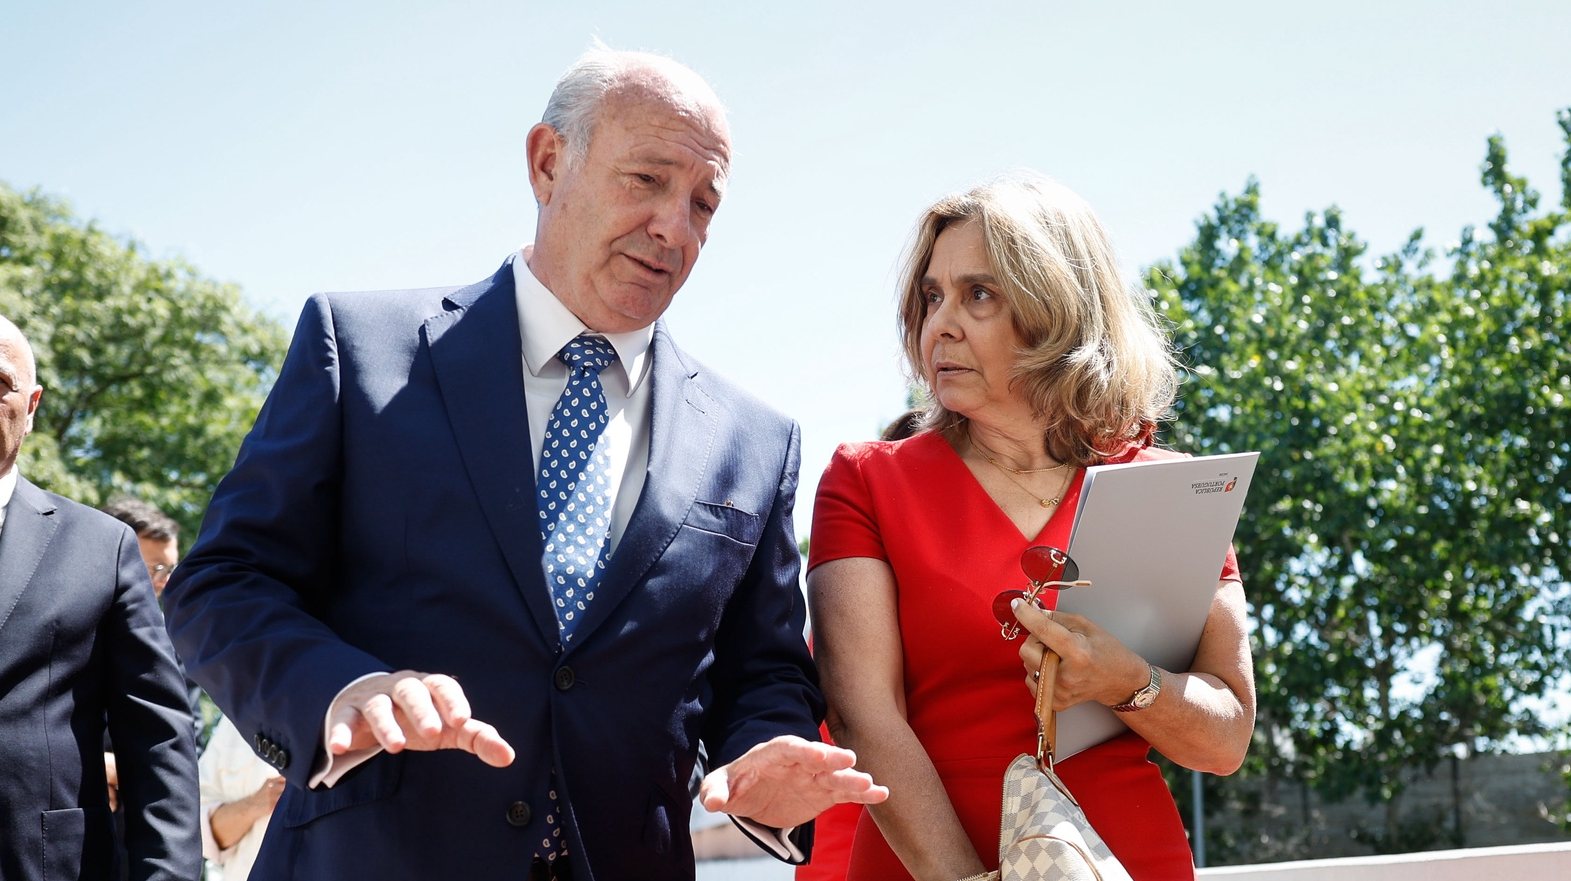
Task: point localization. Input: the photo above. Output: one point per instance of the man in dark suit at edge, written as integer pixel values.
(82, 651)
(514, 519)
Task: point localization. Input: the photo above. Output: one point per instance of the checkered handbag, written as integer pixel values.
(1044, 835)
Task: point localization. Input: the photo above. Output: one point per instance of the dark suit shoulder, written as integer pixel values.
(400, 306)
(358, 311)
(71, 512)
(418, 298)
(394, 317)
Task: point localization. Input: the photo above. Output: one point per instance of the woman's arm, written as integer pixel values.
(1202, 719)
(232, 820)
(856, 641)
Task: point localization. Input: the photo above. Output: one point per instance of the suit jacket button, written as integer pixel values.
(518, 814)
(283, 759)
(564, 678)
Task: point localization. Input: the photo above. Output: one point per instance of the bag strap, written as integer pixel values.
(1046, 719)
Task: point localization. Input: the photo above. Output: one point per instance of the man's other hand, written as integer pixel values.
(112, 772)
(266, 796)
(788, 781)
(410, 710)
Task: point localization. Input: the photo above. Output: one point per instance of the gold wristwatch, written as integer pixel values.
(1145, 697)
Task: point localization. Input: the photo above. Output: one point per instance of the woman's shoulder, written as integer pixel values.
(900, 453)
(883, 467)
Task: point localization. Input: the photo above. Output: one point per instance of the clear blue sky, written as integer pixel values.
(292, 147)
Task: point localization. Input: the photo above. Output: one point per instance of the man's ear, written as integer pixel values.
(545, 149)
(32, 407)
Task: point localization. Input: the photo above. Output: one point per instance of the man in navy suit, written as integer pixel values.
(82, 650)
(515, 520)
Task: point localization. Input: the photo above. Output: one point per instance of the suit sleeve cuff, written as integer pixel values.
(779, 843)
(330, 768)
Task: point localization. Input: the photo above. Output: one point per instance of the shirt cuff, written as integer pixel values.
(330, 768)
(777, 841)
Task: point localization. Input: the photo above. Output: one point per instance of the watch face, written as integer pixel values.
(1145, 697)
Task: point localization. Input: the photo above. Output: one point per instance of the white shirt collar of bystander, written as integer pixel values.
(7, 489)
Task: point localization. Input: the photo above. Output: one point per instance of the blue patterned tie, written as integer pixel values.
(573, 482)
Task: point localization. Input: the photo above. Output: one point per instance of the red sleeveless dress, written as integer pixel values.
(915, 505)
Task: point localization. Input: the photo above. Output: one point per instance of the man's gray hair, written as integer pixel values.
(575, 102)
(27, 368)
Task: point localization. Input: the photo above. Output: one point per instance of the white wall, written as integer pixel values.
(1530, 862)
(758, 869)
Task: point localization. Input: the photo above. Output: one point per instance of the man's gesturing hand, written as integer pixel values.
(787, 781)
(409, 710)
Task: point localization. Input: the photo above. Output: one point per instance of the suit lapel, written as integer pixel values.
(478, 358)
(682, 424)
(29, 526)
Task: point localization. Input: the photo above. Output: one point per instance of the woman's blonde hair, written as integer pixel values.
(1096, 363)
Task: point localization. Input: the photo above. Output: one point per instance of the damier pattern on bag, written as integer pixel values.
(1044, 836)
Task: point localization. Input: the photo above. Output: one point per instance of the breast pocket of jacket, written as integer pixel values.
(727, 520)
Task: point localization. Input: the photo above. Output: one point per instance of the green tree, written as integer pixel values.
(1403, 553)
(152, 373)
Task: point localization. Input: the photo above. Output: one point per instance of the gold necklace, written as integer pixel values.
(1046, 503)
(989, 455)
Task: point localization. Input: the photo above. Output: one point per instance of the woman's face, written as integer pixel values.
(969, 341)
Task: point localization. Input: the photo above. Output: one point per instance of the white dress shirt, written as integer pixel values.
(550, 327)
(8, 488)
(229, 770)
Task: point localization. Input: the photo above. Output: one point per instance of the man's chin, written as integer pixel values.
(631, 310)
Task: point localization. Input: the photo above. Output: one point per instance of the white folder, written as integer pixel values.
(1152, 538)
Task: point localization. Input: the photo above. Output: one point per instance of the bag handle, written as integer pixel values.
(1046, 719)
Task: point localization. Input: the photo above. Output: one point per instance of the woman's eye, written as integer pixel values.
(932, 298)
(981, 294)
(645, 178)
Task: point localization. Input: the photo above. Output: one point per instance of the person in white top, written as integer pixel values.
(238, 791)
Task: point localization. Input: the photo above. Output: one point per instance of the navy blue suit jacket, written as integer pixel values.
(381, 516)
(82, 643)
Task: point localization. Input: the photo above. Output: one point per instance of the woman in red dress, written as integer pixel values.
(1039, 361)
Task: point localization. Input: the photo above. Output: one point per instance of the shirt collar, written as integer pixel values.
(551, 325)
(7, 489)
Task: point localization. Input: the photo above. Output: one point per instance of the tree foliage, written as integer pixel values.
(152, 374)
(1404, 540)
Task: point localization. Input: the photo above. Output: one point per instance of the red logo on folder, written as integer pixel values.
(1230, 484)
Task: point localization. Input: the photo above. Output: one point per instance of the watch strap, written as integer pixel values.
(1145, 697)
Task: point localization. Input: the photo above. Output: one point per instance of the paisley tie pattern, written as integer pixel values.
(574, 485)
